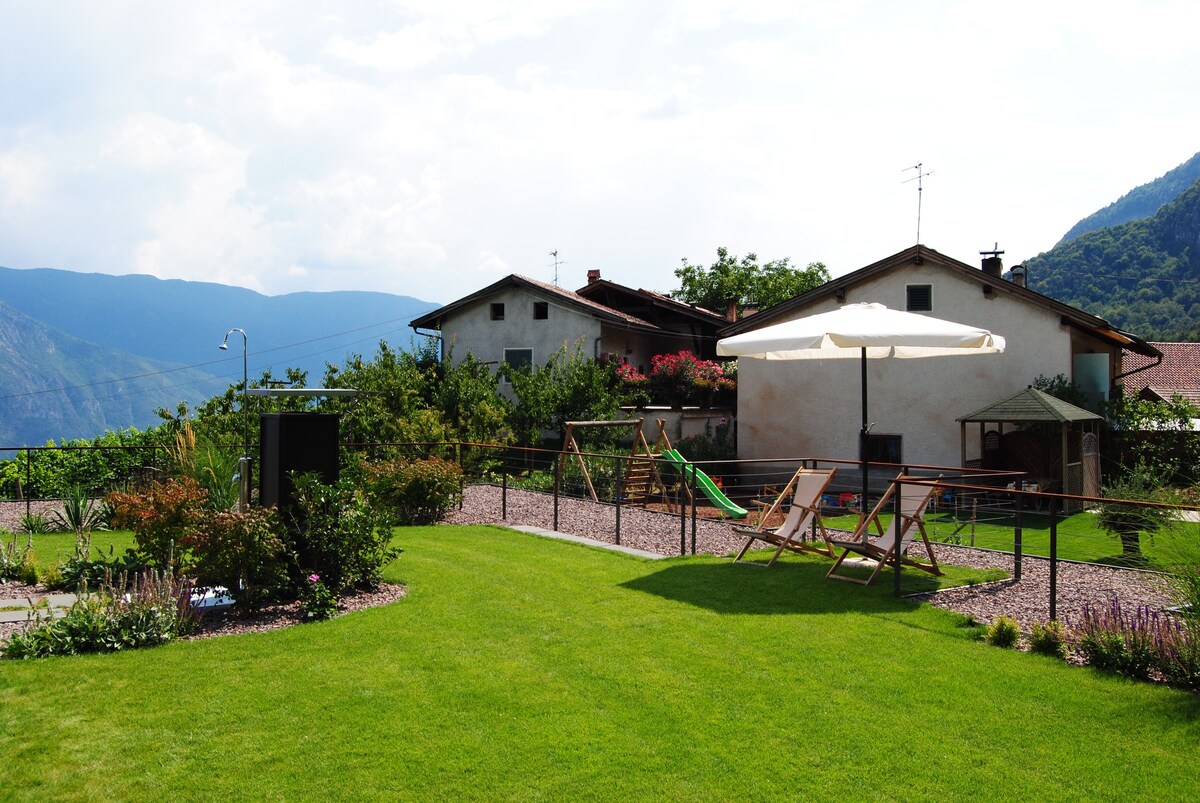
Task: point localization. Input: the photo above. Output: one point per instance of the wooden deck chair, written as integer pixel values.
(893, 542)
(806, 487)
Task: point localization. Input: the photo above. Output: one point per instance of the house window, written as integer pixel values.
(497, 311)
(884, 448)
(919, 298)
(518, 358)
(541, 310)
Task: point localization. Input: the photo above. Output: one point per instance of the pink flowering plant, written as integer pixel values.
(317, 602)
(683, 377)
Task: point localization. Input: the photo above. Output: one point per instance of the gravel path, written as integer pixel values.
(1026, 600)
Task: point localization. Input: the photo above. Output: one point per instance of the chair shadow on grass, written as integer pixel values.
(793, 585)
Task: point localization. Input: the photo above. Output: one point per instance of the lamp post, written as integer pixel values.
(244, 460)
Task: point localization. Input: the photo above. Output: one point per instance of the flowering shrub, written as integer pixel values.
(683, 377)
(161, 517)
(1138, 644)
(317, 602)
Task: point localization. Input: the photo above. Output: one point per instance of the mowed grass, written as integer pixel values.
(51, 549)
(525, 668)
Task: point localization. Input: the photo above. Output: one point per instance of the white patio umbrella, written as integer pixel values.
(862, 331)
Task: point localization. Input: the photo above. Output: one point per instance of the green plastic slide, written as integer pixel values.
(706, 484)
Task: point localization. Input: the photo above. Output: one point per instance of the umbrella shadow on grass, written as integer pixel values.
(789, 587)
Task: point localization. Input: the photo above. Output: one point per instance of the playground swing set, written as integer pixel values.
(642, 479)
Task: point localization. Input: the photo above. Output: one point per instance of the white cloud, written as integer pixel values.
(422, 147)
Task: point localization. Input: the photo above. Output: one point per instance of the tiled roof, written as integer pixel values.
(1179, 370)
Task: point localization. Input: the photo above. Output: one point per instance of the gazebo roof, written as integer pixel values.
(1031, 406)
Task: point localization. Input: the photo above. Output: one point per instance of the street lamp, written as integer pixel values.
(244, 460)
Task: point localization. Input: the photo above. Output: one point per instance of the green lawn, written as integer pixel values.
(525, 668)
(50, 549)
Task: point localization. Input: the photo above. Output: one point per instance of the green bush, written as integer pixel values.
(1049, 639)
(411, 492)
(80, 512)
(337, 535)
(1002, 632)
(16, 561)
(243, 552)
(317, 602)
(83, 568)
(155, 609)
(36, 523)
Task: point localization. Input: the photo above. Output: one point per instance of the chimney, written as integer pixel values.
(593, 275)
(1018, 275)
(750, 308)
(992, 265)
(731, 310)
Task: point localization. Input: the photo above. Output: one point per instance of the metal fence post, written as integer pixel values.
(1053, 559)
(620, 467)
(897, 524)
(693, 465)
(557, 476)
(679, 489)
(1017, 536)
(504, 494)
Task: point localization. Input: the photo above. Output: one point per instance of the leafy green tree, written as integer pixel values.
(1061, 387)
(569, 387)
(745, 280)
(1158, 436)
(395, 396)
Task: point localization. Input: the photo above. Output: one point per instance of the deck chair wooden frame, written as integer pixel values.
(806, 487)
(893, 543)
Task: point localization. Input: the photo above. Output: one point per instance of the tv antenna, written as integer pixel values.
(554, 254)
(920, 179)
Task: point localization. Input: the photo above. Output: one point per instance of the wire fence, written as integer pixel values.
(674, 507)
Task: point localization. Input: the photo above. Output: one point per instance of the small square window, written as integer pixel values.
(497, 312)
(541, 310)
(919, 298)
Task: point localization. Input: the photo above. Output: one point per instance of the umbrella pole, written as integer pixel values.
(862, 448)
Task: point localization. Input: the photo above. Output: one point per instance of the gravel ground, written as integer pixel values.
(1026, 600)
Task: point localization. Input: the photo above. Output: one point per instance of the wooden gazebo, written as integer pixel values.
(1034, 407)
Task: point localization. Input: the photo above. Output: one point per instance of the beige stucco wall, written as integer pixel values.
(471, 328)
(812, 408)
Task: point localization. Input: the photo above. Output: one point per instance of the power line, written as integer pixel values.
(214, 362)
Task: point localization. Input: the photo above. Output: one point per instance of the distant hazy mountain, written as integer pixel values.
(1143, 275)
(1140, 202)
(62, 328)
(185, 321)
(53, 385)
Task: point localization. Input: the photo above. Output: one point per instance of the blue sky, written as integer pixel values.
(429, 148)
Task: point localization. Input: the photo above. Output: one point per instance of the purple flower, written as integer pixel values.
(314, 578)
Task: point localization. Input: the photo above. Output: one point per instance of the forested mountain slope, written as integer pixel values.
(1140, 202)
(1143, 276)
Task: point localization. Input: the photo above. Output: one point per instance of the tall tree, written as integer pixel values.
(745, 280)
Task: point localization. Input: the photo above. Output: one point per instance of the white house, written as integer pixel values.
(523, 321)
(811, 408)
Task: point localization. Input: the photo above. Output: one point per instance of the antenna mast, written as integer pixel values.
(919, 178)
(554, 254)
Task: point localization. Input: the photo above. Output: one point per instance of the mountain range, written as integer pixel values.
(84, 352)
(1141, 273)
